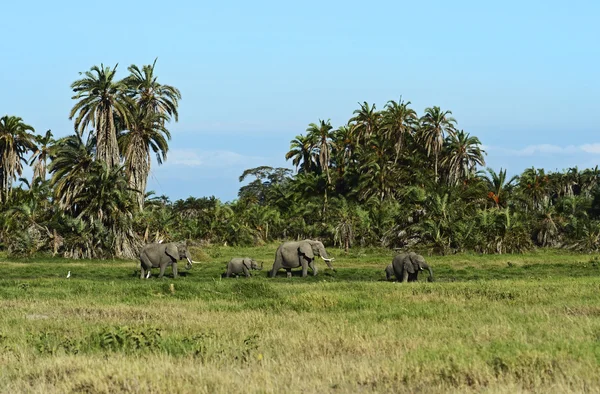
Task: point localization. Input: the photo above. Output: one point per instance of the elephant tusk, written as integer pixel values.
(196, 262)
(330, 260)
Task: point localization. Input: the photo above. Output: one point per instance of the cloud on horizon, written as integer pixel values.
(545, 149)
(209, 159)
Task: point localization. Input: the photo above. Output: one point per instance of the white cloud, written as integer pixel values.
(208, 159)
(546, 149)
(591, 148)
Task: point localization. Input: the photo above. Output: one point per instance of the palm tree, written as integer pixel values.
(71, 161)
(101, 100)
(301, 152)
(146, 132)
(321, 134)
(398, 121)
(150, 95)
(15, 141)
(378, 174)
(462, 155)
(498, 186)
(366, 120)
(40, 155)
(343, 147)
(435, 124)
(105, 198)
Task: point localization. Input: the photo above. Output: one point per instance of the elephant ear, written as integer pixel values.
(305, 248)
(172, 252)
(247, 263)
(408, 264)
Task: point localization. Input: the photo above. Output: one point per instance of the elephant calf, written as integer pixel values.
(238, 265)
(406, 267)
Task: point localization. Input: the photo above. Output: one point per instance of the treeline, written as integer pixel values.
(386, 178)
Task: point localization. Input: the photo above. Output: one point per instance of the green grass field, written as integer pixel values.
(508, 323)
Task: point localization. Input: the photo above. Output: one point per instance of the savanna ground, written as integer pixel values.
(508, 323)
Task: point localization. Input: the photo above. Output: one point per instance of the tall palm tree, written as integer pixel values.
(146, 132)
(101, 100)
(301, 152)
(435, 124)
(16, 139)
(40, 155)
(398, 121)
(343, 147)
(151, 96)
(321, 134)
(462, 155)
(366, 120)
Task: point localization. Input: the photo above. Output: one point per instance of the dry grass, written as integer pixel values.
(348, 332)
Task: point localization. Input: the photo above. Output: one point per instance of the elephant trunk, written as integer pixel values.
(430, 279)
(328, 262)
(188, 266)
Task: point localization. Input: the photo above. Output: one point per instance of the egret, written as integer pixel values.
(68, 274)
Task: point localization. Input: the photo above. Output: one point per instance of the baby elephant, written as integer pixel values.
(406, 267)
(238, 265)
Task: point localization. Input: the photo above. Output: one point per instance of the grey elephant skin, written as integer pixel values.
(243, 265)
(162, 255)
(406, 267)
(296, 254)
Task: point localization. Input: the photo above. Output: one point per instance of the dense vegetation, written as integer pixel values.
(388, 177)
(519, 323)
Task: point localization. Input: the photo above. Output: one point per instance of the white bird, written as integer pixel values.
(68, 274)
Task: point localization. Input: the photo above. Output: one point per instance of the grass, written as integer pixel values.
(489, 323)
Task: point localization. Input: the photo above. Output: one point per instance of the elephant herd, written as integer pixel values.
(405, 267)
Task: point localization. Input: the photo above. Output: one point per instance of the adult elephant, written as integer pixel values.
(406, 267)
(162, 255)
(296, 254)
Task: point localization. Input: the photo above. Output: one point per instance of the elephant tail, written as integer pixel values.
(277, 264)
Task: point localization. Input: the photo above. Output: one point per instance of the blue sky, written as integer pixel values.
(522, 76)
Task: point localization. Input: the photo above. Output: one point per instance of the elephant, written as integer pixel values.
(295, 254)
(161, 255)
(406, 267)
(238, 265)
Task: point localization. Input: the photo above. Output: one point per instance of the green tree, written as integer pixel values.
(435, 125)
(151, 96)
(16, 140)
(146, 132)
(40, 156)
(462, 155)
(302, 153)
(398, 121)
(321, 135)
(101, 99)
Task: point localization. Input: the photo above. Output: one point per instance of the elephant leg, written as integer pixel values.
(228, 273)
(162, 270)
(304, 268)
(289, 272)
(246, 271)
(276, 267)
(174, 270)
(313, 267)
(145, 265)
(404, 276)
